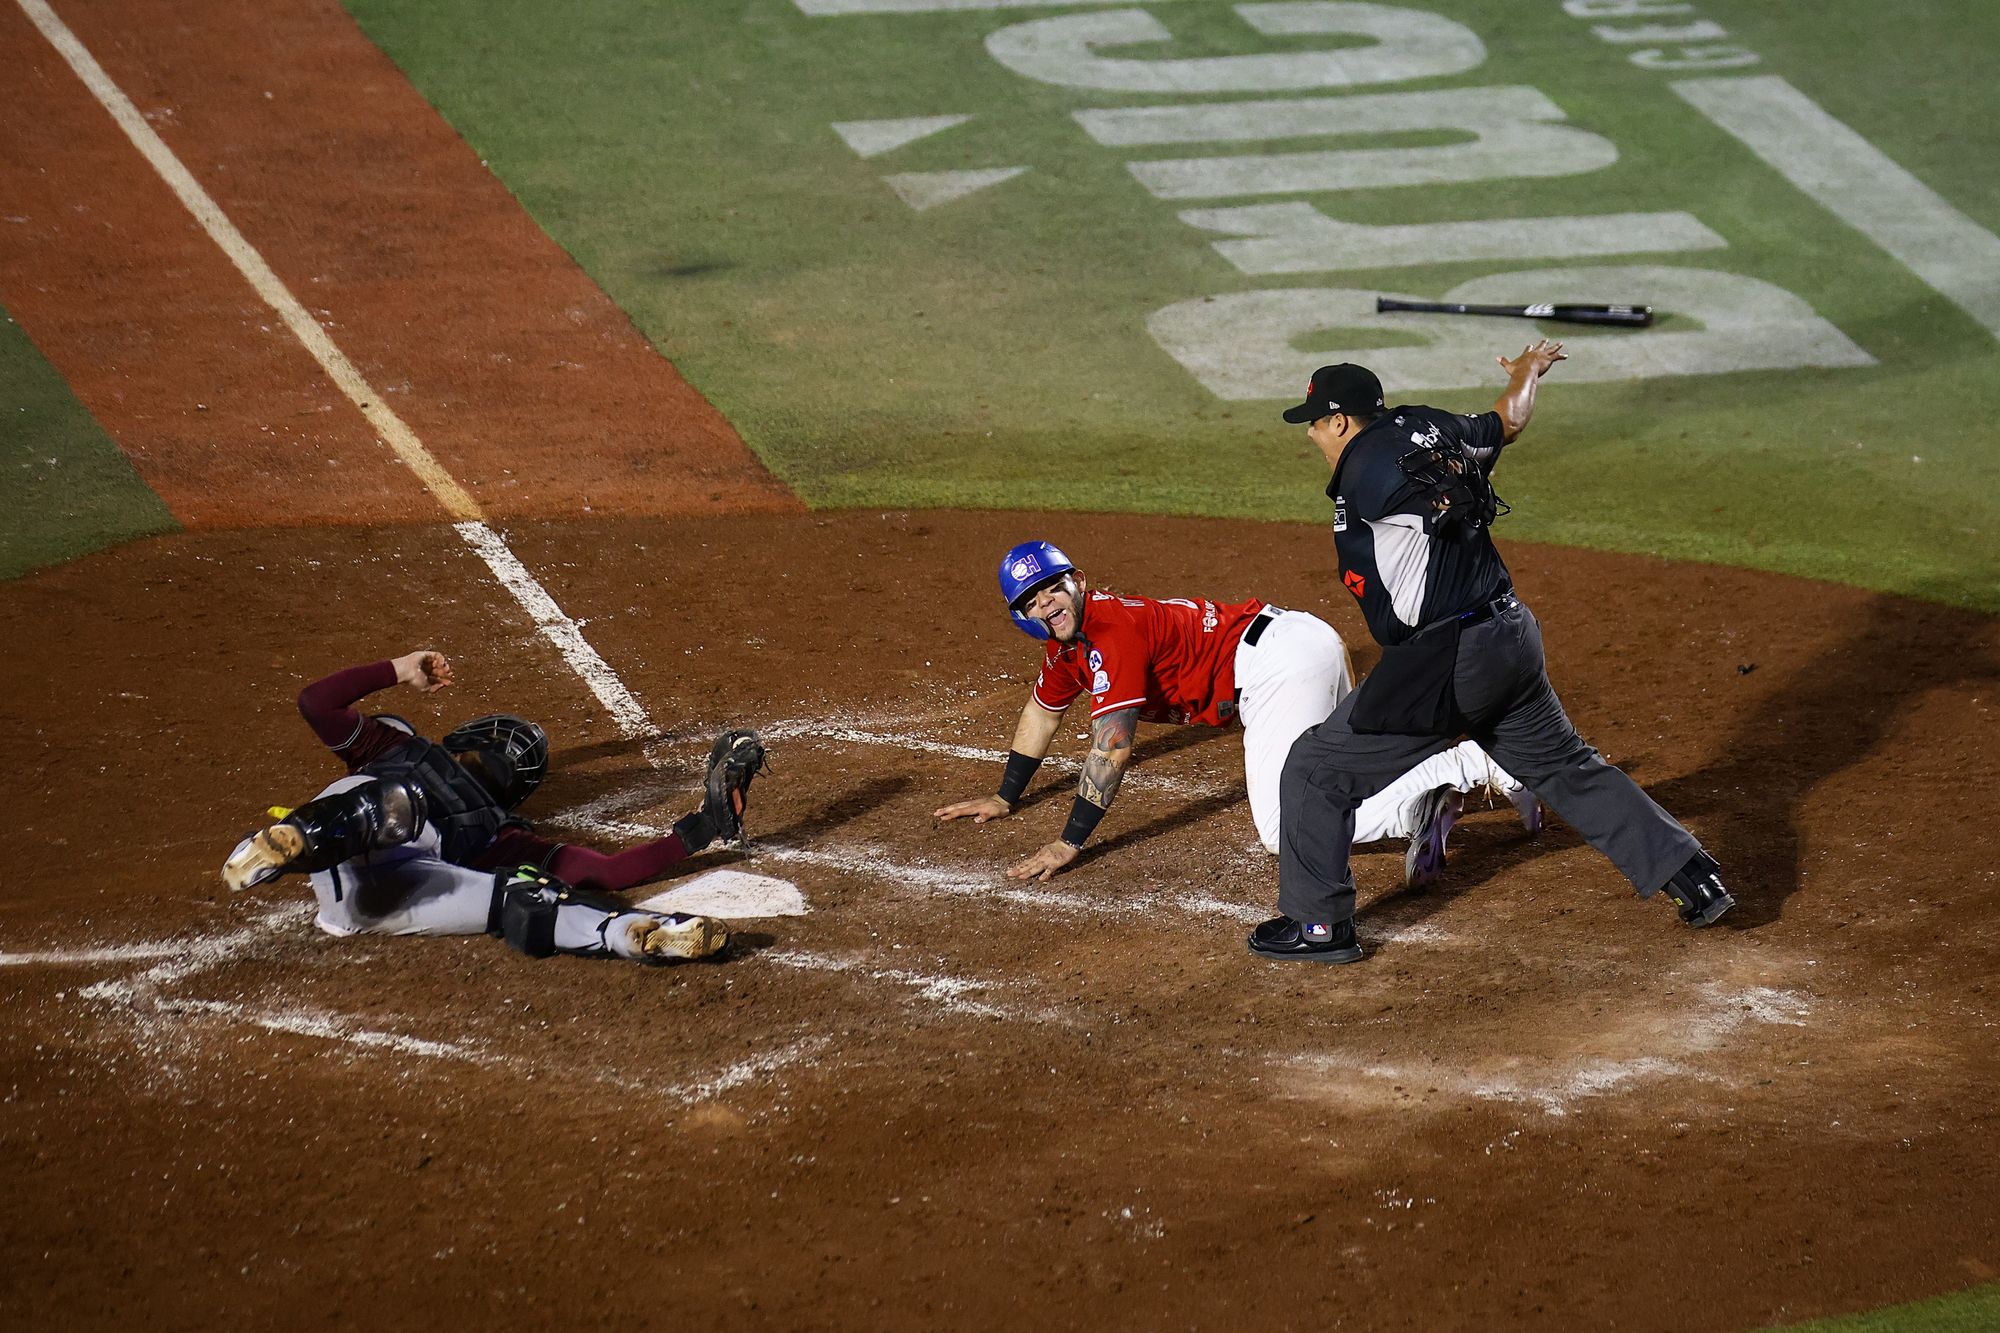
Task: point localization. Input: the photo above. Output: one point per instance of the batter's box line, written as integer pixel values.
(943, 991)
(331, 1026)
(961, 881)
(866, 731)
(1721, 1012)
(142, 999)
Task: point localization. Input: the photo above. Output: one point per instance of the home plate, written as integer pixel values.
(732, 895)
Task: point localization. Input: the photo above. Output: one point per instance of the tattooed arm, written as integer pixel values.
(1110, 753)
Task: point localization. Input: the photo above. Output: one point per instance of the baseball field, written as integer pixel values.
(679, 366)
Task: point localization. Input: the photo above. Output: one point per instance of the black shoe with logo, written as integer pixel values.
(1697, 891)
(1283, 938)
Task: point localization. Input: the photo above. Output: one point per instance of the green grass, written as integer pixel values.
(992, 352)
(1974, 1311)
(68, 490)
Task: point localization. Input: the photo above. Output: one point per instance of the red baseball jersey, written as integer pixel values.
(1174, 659)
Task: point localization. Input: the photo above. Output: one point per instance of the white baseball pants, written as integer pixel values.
(1291, 679)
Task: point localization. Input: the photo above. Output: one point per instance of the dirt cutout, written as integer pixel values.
(940, 1099)
(531, 388)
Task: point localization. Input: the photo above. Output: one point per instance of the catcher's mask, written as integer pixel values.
(511, 755)
(1027, 569)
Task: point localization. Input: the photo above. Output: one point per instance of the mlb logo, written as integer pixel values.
(1026, 567)
(1317, 931)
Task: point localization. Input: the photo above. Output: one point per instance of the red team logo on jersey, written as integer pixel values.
(1355, 583)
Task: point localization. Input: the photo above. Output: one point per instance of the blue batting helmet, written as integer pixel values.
(1025, 570)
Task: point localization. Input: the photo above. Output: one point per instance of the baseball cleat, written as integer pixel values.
(263, 856)
(1437, 811)
(659, 939)
(1305, 941)
(1529, 807)
(1696, 889)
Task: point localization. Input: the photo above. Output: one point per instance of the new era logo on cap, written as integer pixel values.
(1343, 388)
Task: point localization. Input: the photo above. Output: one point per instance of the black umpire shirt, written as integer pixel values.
(1406, 568)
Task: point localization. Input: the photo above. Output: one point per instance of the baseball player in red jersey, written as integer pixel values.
(1179, 660)
(420, 837)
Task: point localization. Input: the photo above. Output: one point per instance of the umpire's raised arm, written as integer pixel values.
(1524, 372)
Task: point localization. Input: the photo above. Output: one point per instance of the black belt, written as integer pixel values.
(1506, 601)
(1263, 618)
(1485, 611)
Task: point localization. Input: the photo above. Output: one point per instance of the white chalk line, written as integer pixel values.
(944, 991)
(142, 998)
(335, 1027)
(468, 521)
(1723, 1010)
(601, 818)
(744, 1072)
(864, 732)
(117, 953)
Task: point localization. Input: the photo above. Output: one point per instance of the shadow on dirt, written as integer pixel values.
(1171, 822)
(1820, 720)
(1823, 719)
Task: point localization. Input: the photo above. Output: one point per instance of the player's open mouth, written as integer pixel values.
(1058, 621)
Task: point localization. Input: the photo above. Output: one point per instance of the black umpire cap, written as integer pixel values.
(1343, 388)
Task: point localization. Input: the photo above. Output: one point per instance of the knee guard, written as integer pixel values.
(528, 907)
(526, 904)
(370, 817)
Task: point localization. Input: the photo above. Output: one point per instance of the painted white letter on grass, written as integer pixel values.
(1408, 44)
(1512, 132)
(1298, 238)
(1240, 346)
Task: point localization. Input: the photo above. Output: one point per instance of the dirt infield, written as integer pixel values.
(938, 1100)
(529, 385)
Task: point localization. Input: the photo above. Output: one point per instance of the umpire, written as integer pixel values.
(1412, 512)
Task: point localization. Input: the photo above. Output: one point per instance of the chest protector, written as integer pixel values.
(466, 816)
(1452, 485)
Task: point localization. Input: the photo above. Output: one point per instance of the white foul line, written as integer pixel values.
(1859, 184)
(468, 521)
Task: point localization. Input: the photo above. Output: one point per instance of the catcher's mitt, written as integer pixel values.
(737, 757)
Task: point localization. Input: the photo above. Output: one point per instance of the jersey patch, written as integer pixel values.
(1100, 683)
(1356, 584)
(1340, 513)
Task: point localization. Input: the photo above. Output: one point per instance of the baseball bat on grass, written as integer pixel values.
(1624, 316)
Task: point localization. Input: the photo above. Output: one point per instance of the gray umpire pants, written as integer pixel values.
(1503, 689)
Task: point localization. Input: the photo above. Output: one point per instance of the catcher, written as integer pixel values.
(420, 837)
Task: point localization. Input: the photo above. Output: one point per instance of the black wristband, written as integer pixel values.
(695, 831)
(1083, 817)
(1020, 769)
